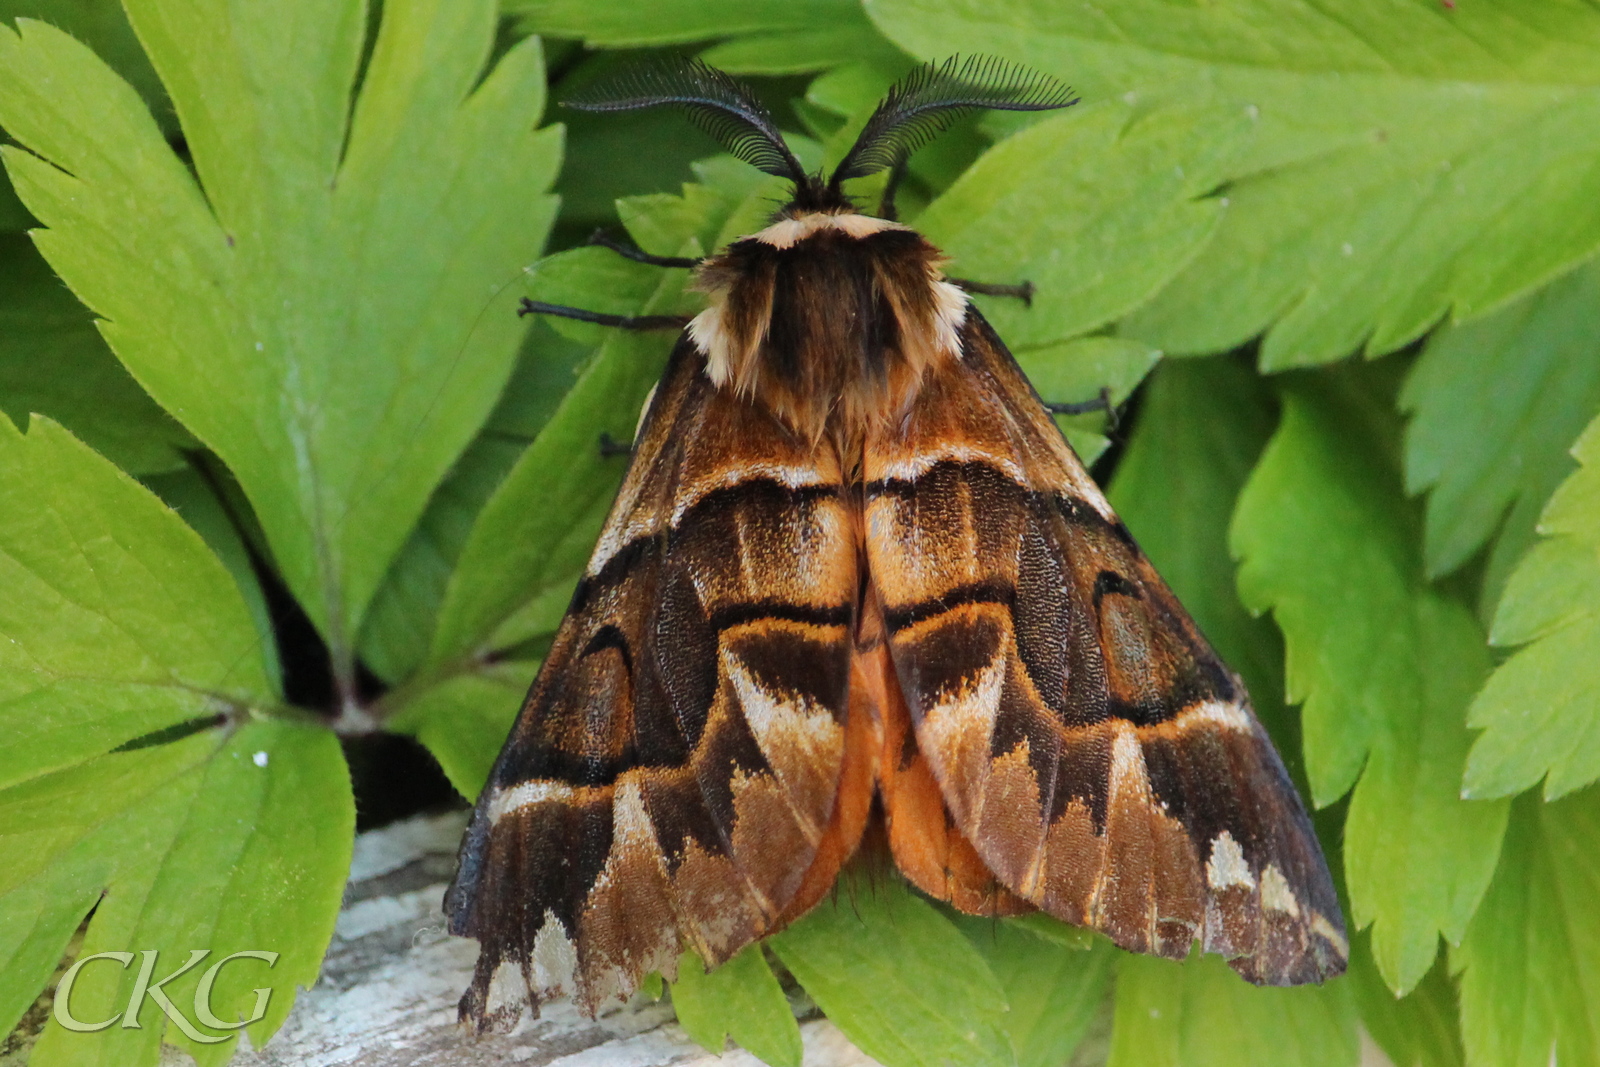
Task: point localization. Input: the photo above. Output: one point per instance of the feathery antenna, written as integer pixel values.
(925, 102)
(717, 102)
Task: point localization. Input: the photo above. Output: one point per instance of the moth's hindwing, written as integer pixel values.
(674, 778)
(1096, 753)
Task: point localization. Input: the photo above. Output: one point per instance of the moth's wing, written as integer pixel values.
(673, 775)
(928, 847)
(1089, 743)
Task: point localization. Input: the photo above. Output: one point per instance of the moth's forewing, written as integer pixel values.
(1101, 759)
(671, 779)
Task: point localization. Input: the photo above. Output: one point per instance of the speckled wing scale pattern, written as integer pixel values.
(1102, 761)
(675, 773)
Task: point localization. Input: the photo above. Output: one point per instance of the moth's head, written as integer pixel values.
(920, 106)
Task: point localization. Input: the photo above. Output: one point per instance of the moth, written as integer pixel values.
(856, 580)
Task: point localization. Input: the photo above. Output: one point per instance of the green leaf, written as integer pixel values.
(195, 498)
(136, 763)
(52, 361)
(533, 536)
(104, 27)
(1055, 931)
(14, 215)
(1540, 711)
(1053, 991)
(1084, 206)
(328, 307)
(802, 51)
(1383, 664)
(1420, 1029)
(1075, 371)
(262, 822)
(899, 979)
(118, 620)
(1199, 1013)
(1530, 963)
(742, 1000)
(1405, 160)
(1495, 405)
(464, 719)
(632, 23)
(612, 155)
(399, 627)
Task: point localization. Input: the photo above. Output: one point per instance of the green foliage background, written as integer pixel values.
(1344, 257)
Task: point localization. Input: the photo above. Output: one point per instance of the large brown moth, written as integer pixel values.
(855, 573)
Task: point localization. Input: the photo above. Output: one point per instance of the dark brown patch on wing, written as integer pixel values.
(672, 779)
(1085, 739)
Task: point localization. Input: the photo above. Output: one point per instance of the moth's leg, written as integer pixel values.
(639, 255)
(611, 447)
(600, 318)
(1099, 403)
(1023, 292)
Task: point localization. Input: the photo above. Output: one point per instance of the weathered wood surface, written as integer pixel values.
(387, 995)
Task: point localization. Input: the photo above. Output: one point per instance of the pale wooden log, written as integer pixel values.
(389, 985)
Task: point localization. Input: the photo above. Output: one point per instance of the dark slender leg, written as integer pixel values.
(638, 255)
(600, 318)
(610, 447)
(1100, 403)
(1023, 292)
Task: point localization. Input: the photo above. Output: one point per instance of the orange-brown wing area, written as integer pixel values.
(1090, 745)
(927, 845)
(671, 781)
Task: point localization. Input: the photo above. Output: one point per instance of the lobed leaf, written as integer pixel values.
(1053, 992)
(1420, 1029)
(326, 306)
(118, 621)
(1402, 161)
(634, 23)
(740, 999)
(261, 820)
(1199, 1013)
(1530, 961)
(1540, 710)
(1383, 664)
(899, 979)
(53, 362)
(1084, 206)
(1495, 404)
(138, 776)
(103, 26)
